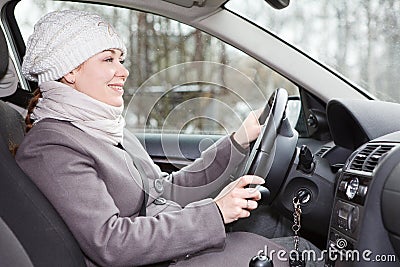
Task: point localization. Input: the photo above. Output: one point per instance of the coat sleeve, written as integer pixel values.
(66, 174)
(206, 175)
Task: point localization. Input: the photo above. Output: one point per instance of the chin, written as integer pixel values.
(117, 104)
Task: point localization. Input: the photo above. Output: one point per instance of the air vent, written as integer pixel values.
(367, 159)
(322, 150)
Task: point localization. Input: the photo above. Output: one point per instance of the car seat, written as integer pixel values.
(32, 232)
(11, 251)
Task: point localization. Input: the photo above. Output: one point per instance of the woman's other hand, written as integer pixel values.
(235, 201)
(249, 130)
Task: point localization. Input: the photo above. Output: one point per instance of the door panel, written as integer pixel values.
(173, 151)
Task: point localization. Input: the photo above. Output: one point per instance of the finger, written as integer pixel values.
(253, 193)
(253, 189)
(244, 213)
(245, 204)
(248, 204)
(249, 179)
(251, 205)
(246, 193)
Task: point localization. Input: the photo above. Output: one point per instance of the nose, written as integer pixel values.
(122, 71)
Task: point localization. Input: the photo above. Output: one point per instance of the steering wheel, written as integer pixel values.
(276, 132)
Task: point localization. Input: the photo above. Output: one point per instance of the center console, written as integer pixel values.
(349, 209)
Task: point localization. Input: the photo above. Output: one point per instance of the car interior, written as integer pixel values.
(340, 159)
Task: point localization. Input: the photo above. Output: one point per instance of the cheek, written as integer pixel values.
(100, 76)
(97, 80)
(105, 75)
(93, 81)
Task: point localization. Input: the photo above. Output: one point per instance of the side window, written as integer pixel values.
(182, 80)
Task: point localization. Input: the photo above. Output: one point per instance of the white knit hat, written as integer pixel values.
(62, 40)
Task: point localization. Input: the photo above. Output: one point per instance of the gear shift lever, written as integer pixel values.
(261, 260)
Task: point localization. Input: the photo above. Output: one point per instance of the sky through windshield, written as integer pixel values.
(359, 38)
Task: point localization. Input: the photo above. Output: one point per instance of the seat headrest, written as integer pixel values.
(9, 82)
(3, 55)
(8, 76)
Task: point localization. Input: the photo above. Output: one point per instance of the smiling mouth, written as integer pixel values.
(117, 87)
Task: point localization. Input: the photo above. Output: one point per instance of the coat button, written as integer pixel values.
(158, 185)
(160, 201)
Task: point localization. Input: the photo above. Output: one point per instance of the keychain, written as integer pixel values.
(296, 258)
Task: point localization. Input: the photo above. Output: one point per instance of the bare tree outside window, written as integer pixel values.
(208, 85)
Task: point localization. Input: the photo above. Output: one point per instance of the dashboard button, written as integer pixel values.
(343, 186)
(362, 191)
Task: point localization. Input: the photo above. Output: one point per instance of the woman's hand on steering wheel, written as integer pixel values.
(249, 130)
(236, 201)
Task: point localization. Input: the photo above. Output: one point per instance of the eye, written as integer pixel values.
(122, 61)
(109, 59)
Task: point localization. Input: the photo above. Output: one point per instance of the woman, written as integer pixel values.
(76, 154)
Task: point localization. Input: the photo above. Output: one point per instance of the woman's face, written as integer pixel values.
(101, 77)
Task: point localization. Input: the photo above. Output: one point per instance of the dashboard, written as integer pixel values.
(364, 215)
(354, 185)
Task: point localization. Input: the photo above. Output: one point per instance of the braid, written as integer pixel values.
(32, 104)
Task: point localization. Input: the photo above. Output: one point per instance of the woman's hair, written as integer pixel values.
(28, 122)
(31, 106)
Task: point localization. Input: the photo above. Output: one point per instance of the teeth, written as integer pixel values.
(117, 87)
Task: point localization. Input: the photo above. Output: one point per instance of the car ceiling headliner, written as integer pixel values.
(185, 14)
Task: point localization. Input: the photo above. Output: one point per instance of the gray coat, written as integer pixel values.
(97, 190)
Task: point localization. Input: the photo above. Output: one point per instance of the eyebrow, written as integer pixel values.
(113, 51)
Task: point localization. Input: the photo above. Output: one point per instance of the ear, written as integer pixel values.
(69, 78)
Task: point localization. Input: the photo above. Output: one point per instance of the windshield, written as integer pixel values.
(360, 38)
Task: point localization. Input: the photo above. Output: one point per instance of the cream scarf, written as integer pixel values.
(62, 102)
